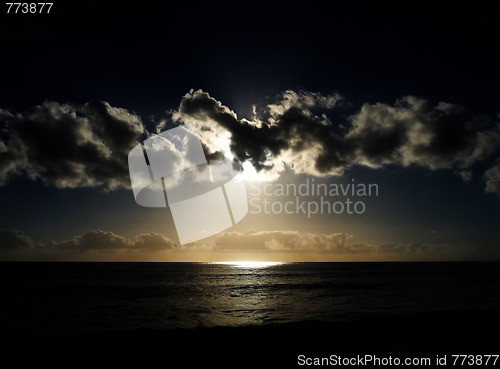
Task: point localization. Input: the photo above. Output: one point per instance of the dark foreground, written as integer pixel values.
(269, 346)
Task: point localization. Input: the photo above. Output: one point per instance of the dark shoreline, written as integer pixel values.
(271, 345)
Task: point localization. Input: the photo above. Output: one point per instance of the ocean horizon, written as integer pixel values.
(242, 315)
(83, 297)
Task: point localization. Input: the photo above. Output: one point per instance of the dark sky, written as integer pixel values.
(145, 57)
(149, 55)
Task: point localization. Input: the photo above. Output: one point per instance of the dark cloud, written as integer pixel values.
(295, 132)
(255, 241)
(70, 146)
(87, 146)
(14, 239)
(12, 151)
(492, 177)
(412, 248)
(153, 242)
(337, 243)
(92, 240)
(415, 132)
(248, 142)
(334, 243)
(105, 240)
(290, 135)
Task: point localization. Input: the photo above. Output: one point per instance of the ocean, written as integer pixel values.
(78, 298)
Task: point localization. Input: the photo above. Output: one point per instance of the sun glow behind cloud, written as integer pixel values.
(250, 174)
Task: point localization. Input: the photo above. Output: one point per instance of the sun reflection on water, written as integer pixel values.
(250, 264)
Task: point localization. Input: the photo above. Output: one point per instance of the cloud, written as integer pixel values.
(492, 176)
(259, 242)
(295, 132)
(334, 243)
(109, 241)
(291, 135)
(411, 248)
(70, 146)
(12, 151)
(92, 240)
(87, 145)
(14, 239)
(415, 132)
(154, 242)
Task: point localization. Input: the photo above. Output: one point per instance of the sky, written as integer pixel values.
(402, 100)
